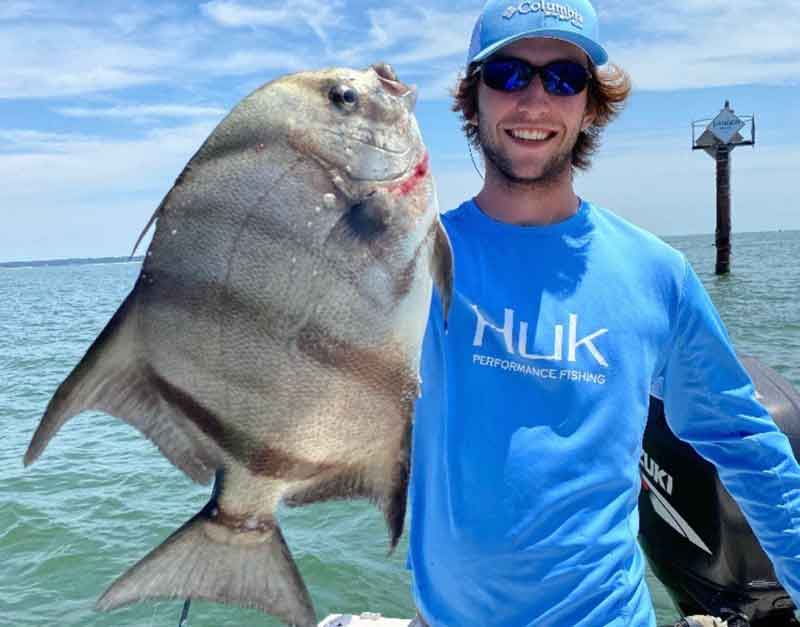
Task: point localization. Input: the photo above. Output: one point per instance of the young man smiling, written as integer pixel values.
(565, 317)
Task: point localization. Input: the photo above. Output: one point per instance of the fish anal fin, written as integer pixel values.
(387, 489)
(394, 504)
(112, 378)
(217, 558)
(442, 267)
(340, 481)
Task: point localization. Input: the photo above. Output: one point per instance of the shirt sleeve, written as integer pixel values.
(709, 402)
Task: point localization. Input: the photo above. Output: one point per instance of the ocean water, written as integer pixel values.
(101, 496)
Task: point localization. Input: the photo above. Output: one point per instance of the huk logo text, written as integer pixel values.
(521, 346)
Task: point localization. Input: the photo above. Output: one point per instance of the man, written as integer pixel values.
(528, 434)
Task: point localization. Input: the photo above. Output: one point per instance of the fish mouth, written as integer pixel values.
(367, 137)
(365, 157)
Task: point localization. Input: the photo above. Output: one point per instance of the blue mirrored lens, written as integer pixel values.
(564, 78)
(559, 78)
(507, 74)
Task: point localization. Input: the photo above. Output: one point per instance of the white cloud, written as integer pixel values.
(26, 141)
(425, 34)
(320, 17)
(234, 14)
(45, 60)
(704, 43)
(82, 164)
(411, 35)
(53, 51)
(78, 195)
(144, 111)
(255, 61)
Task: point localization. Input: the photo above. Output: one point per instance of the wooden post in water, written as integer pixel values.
(723, 232)
(718, 138)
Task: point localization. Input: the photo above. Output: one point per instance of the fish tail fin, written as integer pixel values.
(112, 378)
(217, 558)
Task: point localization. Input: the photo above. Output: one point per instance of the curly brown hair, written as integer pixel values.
(609, 89)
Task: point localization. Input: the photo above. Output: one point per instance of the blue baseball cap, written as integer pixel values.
(504, 21)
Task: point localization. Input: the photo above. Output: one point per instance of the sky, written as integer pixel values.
(103, 103)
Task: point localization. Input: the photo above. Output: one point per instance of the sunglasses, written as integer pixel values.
(559, 78)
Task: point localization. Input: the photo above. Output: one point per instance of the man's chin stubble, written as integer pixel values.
(553, 172)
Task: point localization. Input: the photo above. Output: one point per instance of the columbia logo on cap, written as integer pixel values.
(553, 9)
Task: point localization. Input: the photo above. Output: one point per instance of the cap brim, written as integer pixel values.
(596, 53)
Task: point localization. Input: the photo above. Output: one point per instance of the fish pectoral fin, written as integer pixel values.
(217, 558)
(442, 267)
(111, 378)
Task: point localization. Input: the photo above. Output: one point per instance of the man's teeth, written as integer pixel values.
(529, 134)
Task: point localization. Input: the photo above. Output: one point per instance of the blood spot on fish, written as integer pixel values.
(419, 173)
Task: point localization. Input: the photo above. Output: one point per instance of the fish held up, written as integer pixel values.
(272, 339)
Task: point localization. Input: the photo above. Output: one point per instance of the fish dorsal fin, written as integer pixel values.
(112, 377)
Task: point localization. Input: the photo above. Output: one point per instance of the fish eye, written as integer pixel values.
(344, 97)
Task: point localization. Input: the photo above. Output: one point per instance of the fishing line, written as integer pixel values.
(472, 158)
(185, 614)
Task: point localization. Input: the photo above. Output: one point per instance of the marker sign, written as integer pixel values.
(725, 125)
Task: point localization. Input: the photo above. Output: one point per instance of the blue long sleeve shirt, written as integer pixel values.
(528, 433)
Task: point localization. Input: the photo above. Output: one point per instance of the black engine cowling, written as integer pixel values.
(695, 536)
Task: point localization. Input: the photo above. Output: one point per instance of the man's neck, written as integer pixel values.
(526, 204)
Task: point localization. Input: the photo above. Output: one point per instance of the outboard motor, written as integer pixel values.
(695, 536)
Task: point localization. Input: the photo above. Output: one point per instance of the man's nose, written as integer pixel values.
(533, 96)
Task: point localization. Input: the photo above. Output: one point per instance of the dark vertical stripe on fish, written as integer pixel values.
(383, 370)
(260, 460)
(205, 420)
(275, 463)
(404, 281)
